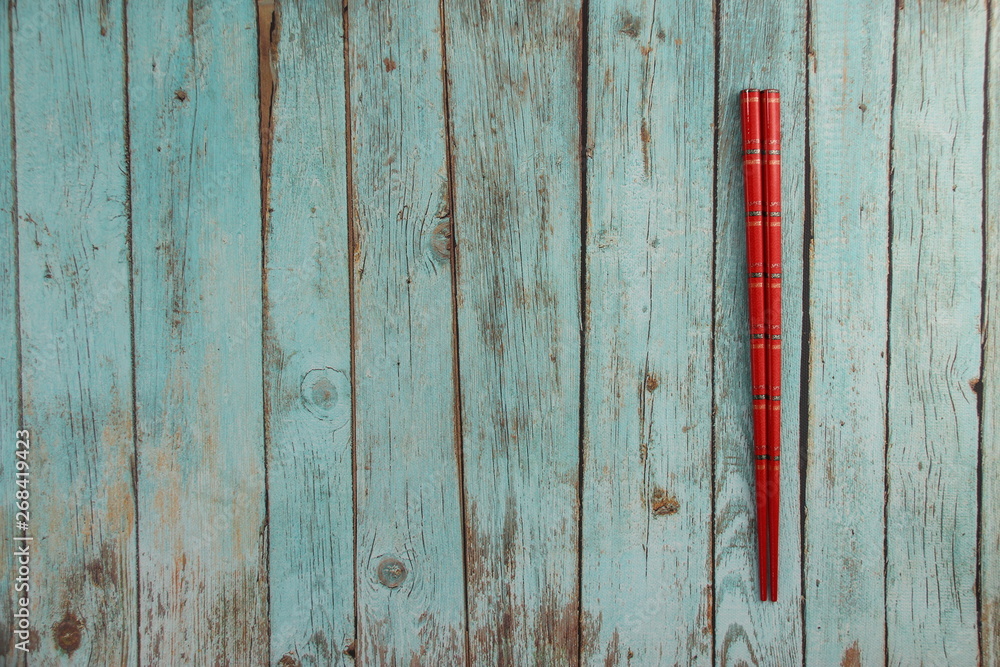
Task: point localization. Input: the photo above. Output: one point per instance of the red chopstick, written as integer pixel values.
(771, 130)
(753, 188)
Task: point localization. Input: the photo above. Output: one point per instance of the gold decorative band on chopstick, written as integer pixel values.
(752, 151)
(761, 457)
(752, 161)
(774, 214)
(774, 152)
(774, 398)
(760, 397)
(755, 214)
(774, 336)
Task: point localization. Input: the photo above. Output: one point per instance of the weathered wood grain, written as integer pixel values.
(74, 305)
(10, 369)
(646, 582)
(934, 339)
(989, 509)
(307, 334)
(197, 293)
(515, 99)
(409, 519)
(246, 368)
(761, 45)
(850, 112)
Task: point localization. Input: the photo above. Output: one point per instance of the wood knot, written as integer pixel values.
(325, 392)
(628, 24)
(289, 660)
(976, 384)
(68, 632)
(181, 95)
(664, 504)
(350, 650)
(391, 572)
(389, 63)
(652, 382)
(441, 240)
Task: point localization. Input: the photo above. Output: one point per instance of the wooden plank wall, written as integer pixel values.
(935, 300)
(849, 116)
(989, 455)
(409, 558)
(647, 402)
(307, 334)
(75, 327)
(384, 332)
(515, 104)
(196, 247)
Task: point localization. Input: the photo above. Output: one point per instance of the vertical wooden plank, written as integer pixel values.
(647, 499)
(74, 302)
(197, 290)
(409, 520)
(989, 511)
(515, 100)
(934, 339)
(10, 395)
(307, 353)
(748, 631)
(850, 100)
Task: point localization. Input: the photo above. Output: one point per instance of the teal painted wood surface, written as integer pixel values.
(409, 560)
(307, 336)
(196, 235)
(935, 343)
(515, 105)
(745, 631)
(435, 317)
(989, 514)
(76, 364)
(647, 399)
(850, 111)
(10, 382)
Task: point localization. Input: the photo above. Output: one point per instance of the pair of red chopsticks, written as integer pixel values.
(760, 111)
